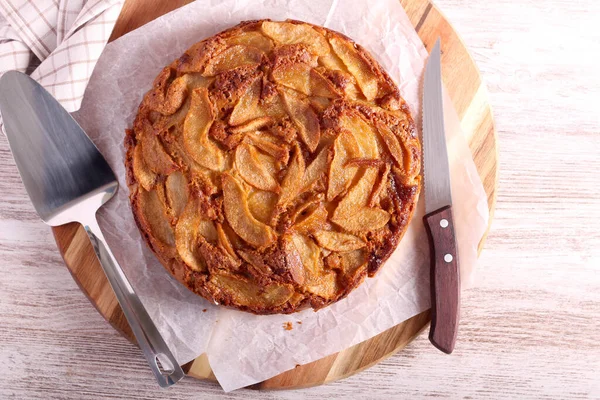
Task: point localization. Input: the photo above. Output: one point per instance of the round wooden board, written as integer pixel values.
(469, 95)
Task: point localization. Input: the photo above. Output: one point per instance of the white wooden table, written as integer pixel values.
(530, 328)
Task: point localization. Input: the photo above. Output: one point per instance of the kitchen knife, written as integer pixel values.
(439, 222)
(68, 180)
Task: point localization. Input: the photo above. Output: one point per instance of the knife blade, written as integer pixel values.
(68, 180)
(439, 221)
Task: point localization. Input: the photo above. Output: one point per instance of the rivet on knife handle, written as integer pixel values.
(445, 281)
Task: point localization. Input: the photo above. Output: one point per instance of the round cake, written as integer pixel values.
(273, 166)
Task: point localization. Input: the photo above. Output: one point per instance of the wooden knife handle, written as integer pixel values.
(445, 279)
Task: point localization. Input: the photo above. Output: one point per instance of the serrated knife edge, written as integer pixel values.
(436, 171)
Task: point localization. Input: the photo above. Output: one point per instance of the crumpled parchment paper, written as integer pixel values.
(243, 348)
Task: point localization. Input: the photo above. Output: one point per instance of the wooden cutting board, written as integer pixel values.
(468, 93)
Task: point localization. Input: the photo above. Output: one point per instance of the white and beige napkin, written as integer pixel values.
(60, 41)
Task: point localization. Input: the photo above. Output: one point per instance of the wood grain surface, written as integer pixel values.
(529, 328)
(463, 88)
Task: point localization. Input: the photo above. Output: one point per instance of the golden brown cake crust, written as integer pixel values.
(273, 166)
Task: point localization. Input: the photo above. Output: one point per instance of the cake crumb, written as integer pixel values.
(299, 322)
(204, 310)
(288, 326)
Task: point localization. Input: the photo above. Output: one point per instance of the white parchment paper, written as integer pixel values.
(242, 348)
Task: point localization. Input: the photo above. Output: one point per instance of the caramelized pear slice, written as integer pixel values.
(234, 57)
(170, 102)
(274, 108)
(252, 125)
(294, 76)
(160, 190)
(194, 80)
(157, 159)
(262, 204)
(358, 195)
(253, 172)
(290, 186)
(365, 135)
(310, 254)
(326, 286)
(268, 163)
(239, 217)
(293, 260)
(391, 142)
(401, 153)
(315, 219)
(195, 132)
(142, 173)
(357, 65)
(332, 62)
(317, 280)
(412, 158)
(362, 219)
(303, 78)
(321, 86)
(245, 292)
(320, 104)
(206, 229)
(233, 237)
(177, 192)
(165, 122)
(344, 81)
(176, 93)
(337, 241)
(186, 237)
(316, 169)
(269, 145)
(340, 175)
(353, 91)
(304, 118)
(155, 216)
(247, 107)
(352, 213)
(224, 242)
(290, 33)
(253, 39)
(380, 185)
(353, 261)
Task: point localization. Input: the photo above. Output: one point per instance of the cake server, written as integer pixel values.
(68, 180)
(439, 223)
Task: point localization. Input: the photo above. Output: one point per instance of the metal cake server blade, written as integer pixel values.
(68, 180)
(439, 221)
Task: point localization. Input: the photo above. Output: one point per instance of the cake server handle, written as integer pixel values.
(149, 339)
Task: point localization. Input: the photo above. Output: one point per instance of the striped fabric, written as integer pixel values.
(58, 41)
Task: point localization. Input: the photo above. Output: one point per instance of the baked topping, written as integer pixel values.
(273, 166)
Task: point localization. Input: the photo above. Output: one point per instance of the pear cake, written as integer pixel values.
(273, 166)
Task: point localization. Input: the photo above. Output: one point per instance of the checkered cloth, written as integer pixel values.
(58, 41)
